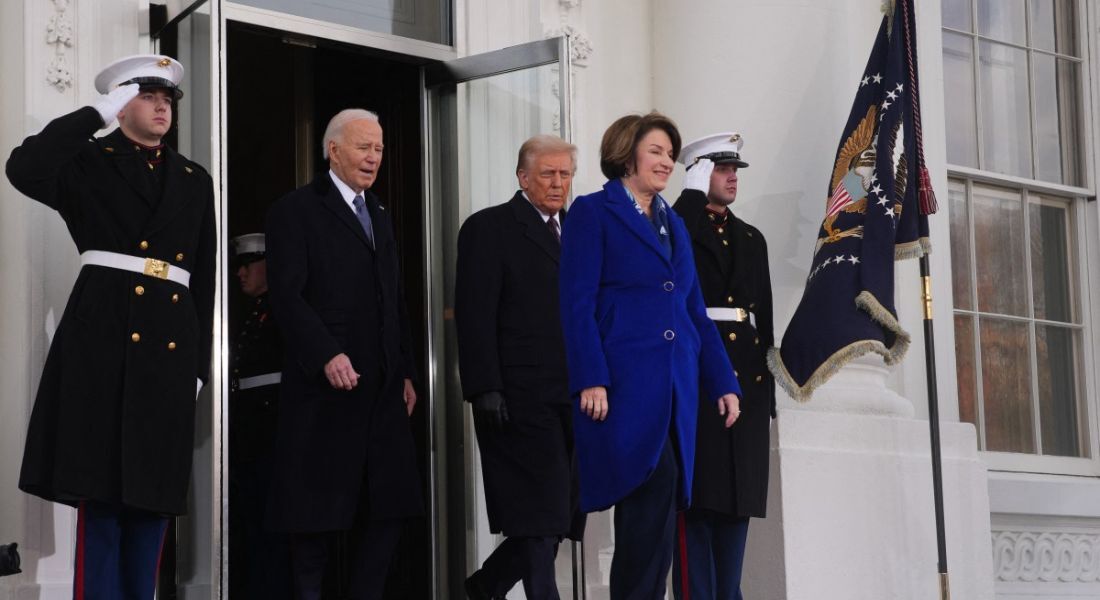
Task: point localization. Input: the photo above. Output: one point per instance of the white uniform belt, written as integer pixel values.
(247, 383)
(738, 315)
(147, 266)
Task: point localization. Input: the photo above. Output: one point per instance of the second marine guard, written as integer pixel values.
(731, 465)
(261, 559)
(112, 429)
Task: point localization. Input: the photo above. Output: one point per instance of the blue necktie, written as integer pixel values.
(363, 215)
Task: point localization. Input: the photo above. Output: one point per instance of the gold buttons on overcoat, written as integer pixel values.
(135, 336)
(172, 346)
(759, 378)
(139, 290)
(179, 257)
(756, 341)
(144, 245)
(175, 298)
(730, 299)
(733, 337)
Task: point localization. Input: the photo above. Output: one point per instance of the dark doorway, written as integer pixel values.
(281, 91)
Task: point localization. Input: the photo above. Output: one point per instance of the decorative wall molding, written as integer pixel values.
(1046, 556)
(59, 35)
(568, 15)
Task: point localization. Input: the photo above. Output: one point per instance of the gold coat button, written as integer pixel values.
(720, 230)
(179, 257)
(730, 299)
(759, 378)
(139, 290)
(733, 337)
(172, 346)
(756, 341)
(725, 242)
(144, 245)
(175, 298)
(135, 336)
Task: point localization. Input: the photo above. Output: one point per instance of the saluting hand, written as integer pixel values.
(110, 104)
(729, 406)
(410, 396)
(698, 175)
(594, 402)
(340, 374)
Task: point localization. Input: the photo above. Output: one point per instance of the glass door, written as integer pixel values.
(193, 562)
(478, 110)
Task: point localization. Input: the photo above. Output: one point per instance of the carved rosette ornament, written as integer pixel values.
(59, 35)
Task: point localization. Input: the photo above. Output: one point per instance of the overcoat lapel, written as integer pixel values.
(121, 151)
(621, 206)
(536, 229)
(333, 201)
(742, 250)
(177, 190)
(701, 233)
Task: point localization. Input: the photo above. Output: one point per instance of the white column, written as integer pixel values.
(850, 509)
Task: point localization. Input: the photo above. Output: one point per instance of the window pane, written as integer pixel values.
(427, 20)
(1068, 104)
(998, 232)
(1048, 138)
(1054, 25)
(1002, 20)
(1051, 260)
(960, 246)
(958, 86)
(1006, 112)
(1056, 351)
(964, 369)
(957, 14)
(1006, 386)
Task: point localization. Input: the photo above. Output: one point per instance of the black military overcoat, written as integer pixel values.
(338, 451)
(510, 341)
(731, 465)
(114, 417)
(253, 412)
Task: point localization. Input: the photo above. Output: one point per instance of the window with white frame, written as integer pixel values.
(1013, 72)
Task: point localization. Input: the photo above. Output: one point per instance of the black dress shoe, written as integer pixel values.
(474, 589)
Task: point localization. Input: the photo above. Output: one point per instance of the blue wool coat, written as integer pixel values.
(634, 322)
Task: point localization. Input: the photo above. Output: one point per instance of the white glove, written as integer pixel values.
(698, 176)
(109, 104)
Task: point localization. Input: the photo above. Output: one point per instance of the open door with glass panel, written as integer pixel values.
(478, 110)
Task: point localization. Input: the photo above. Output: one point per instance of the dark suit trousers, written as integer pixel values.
(645, 529)
(530, 559)
(372, 550)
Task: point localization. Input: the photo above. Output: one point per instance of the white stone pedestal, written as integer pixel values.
(850, 513)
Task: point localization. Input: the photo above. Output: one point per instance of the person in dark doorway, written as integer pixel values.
(261, 558)
(112, 428)
(512, 365)
(344, 454)
(638, 343)
(731, 465)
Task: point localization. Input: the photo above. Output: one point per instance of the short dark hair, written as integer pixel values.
(620, 141)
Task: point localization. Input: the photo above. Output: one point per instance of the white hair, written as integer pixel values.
(336, 125)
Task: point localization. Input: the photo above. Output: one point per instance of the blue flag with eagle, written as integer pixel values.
(876, 212)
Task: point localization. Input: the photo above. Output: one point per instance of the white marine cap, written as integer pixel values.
(249, 247)
(721, 148)
(147, 70)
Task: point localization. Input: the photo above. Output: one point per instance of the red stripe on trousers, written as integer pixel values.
(78, 587)
(681, 537)
(160, 555)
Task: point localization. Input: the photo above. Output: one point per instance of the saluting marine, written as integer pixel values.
(731, 465)
(111, 432)
(261, 559)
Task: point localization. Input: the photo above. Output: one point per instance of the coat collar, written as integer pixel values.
(702, 232)
(536, 229)
(623, 207)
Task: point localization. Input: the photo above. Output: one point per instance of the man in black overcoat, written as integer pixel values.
(512, 366)
(344, 454)
(112, 428)
(731, 465)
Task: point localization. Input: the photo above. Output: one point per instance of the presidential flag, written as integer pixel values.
(876, 212)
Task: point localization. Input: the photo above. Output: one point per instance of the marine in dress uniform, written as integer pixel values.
(261, 559)
(512, 365)
(731, 465)
(111, 432)
(345, 460)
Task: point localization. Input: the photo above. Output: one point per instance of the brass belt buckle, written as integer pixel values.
(156, 268)
(741, 315)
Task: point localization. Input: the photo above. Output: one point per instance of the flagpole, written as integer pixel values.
(927, 203)
(934, 425)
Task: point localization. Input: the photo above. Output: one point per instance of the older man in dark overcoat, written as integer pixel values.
(112, 429)
(512, 365)
(731, 465)
(344, 455)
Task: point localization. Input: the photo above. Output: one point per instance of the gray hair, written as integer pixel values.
(336, 125)
(543, 144)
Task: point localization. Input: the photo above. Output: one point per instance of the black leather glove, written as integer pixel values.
(490, 411)
(9, 560)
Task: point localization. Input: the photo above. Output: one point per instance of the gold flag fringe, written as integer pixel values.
(867, 302)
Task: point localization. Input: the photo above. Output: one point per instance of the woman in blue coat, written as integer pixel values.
(638, 342)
